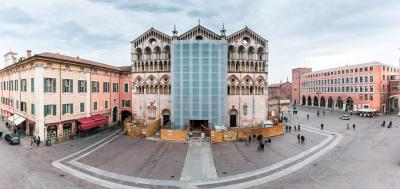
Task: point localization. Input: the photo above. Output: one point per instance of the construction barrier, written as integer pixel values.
(141, 131)
(237, 134)
(176, 135)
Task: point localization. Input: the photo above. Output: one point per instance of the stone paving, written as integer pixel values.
(365, 158)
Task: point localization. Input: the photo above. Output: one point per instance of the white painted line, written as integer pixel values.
(288, 170)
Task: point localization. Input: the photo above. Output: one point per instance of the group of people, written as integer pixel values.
(348, 126)
(388, 126)
(35, 140)
(300, 138)
(260, 140)
(288, 128)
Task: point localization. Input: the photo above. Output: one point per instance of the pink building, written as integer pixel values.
(52, 95)
(348, 88)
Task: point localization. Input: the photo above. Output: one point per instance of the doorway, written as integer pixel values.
(198, 124)
(115, 114)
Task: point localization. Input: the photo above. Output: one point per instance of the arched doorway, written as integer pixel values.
(394, 103)
(165, 116)
(303, 101)
(322, 102)
(125, 114)
(349, 104)
(330, 102)
(233, 120)
(315, 102)
(309, 101)
(339, 103)
(115, 114)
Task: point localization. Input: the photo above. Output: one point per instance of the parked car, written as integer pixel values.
(344, 117)
(12, 138)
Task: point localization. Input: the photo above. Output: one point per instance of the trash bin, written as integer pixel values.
(48, 142)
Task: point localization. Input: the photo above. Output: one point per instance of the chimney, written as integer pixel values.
(28, 53)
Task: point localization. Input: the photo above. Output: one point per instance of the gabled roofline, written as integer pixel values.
(246, 29)
(199, 26)
(149, 30)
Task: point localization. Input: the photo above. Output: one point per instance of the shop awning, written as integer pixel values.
(92, 122)
(16, 119)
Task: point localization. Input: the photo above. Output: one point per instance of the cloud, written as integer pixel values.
(320, 34)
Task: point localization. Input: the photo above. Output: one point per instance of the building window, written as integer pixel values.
(126, 103)
(106, 87)
(360, 97)
(67, 109)
(106, 104)
(383, 77)
(16, 85)
(50, 110)
(68, 86)
(371, 68)
(371, 88)
(23, 106)
(361, 89)
(371, 97)
(17, 104)
(115, 87)
(23, 85)
(245, 109)
(126, 87)
(95, 105)
(366, 89)
(366, 79)
(95, 86)
(361, 79)
(49, 85)
(82, 86)
(356, 80)
(32, 84)
(82, 107)
(33, 109)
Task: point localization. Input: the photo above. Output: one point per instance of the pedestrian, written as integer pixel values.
(32, 139)
(260, 146)
(323, 112)
(286, 128)
(354, 126)
(317, 114)
(38, 141)
(308, 116)
(302, 139)
(249, 138)
(298, 138)
(322, 126)
(254, 137)
(383, 124)
(351, 113)
(348, 127)
(295, 128)
(390, 124)
(290, 128)
(259, 137)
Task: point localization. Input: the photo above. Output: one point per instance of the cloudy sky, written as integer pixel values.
(312, 33)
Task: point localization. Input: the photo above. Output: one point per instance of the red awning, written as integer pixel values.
(92, 122)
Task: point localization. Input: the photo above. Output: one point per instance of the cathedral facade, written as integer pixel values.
(200, 78)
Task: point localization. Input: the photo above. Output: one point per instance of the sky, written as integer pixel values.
(309, 33)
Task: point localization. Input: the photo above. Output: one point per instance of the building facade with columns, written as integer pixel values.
(199, 65)
(52, 95)
(348, 88)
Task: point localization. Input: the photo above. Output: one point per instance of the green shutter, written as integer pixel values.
(32, 85)
(64, 109)
(72, 109)
(45, 110)
(72, 86)
(54, 110)
(54, 85)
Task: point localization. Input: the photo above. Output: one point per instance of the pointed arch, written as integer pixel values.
(241, 51)
(250, 52)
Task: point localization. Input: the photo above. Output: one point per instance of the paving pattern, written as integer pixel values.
(363, 158)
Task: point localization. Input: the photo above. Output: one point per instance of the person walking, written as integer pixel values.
(354, 126)
(390, 124)
(298, 138)
(298, 127)
(38, 141)
(348, 127)
(32, 139)
(383, 124)
(295, 128)
(290, 128)
(286, 128)
(308, 117)
(302, 139)
(323, 112)
(322, 126)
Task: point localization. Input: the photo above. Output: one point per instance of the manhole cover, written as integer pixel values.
(61, 175)
(224, 172)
